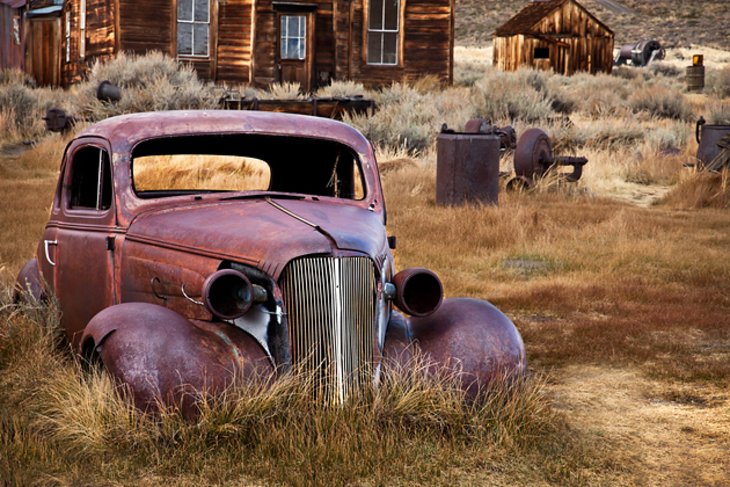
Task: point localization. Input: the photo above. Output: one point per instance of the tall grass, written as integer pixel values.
(59, 421)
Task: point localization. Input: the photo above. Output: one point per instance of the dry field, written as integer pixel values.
(620, 286)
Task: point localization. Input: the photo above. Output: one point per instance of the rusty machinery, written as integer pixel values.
(468, 162)
(640, 54)
(713, 151)
(534, 158)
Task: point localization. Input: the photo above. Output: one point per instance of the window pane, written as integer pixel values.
(376, 14)
(374, 39)
(390, 44)
(201, 10)
(282, 27)
(200, 172)
(293, 26)
(185, 10)
(184, 39)
(200, 39)
(391, 14)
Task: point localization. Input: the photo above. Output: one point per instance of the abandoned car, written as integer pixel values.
(188, 249)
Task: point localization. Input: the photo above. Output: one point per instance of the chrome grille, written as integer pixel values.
(330, 304)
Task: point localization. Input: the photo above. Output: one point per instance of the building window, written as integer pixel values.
(82, 30)
(293, 36)
(67, 36)
(193, 27)
(383, 31)
(541, 53)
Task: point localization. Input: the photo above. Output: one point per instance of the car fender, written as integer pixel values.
(29, 283)
(164, 358)
(468, 336)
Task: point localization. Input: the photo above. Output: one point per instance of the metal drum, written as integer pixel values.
(708, 137)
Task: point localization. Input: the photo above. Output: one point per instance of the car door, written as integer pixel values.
(83, 245)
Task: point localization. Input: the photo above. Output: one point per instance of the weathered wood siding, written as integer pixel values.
(43, 50)
(147, 25)
(576, 41)
(11, 47)
(235, 47)
(426, 48)
(100, 38)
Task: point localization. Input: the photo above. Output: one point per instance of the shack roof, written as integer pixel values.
(534, 12)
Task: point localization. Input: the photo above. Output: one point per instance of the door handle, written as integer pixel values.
(46, 244)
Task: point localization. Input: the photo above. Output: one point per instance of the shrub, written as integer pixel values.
(149, 83)
(511, 96)
(660, 101)
(718, 82)
(342, 88)
(719, 113)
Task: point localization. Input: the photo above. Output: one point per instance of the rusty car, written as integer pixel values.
(189, 249)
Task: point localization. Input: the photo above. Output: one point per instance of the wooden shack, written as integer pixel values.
(557, 35)
(12, 38)
(265, 41)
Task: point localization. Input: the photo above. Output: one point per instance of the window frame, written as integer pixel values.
(82, 30)
(97, 210)
(193, 23)
(398, 31)
(284, 36)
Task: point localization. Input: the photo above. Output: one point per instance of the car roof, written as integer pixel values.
(125, 131)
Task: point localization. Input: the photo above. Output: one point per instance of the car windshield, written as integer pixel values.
(174, 166)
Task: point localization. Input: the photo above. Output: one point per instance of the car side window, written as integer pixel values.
(91, 180)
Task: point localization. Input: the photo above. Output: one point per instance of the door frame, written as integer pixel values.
(309, 12)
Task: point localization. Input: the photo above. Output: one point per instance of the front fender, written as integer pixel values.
(469, 336)
(164, 357)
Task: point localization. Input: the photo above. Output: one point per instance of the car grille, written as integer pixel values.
(330, 304)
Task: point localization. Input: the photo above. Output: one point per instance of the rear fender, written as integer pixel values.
(29, 283)
(165, 358)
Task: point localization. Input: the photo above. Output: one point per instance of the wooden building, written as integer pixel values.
(263, 41)
(12, 38)
(558, 35)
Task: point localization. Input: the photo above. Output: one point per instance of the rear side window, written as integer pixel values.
(91, 181)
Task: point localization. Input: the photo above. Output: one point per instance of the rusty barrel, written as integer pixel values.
(708, 137)
(467, 168)
(695, 78)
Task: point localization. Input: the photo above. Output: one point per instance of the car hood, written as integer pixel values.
(266, 233)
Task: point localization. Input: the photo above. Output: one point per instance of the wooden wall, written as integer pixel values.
(100, 42)
(43, 49)
(427, 35)
(235, 36)
(11, 52)
(575, 39)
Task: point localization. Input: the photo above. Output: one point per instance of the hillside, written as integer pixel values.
(674, 23)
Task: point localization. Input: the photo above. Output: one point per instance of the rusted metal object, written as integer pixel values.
(713, 142)
(534, 158)
(695, 74)
(640, 54)
(196, 288)
(327, 107)
(418, 291)
(507, 134)
(58, 121)
(108, 92)
(467, 168)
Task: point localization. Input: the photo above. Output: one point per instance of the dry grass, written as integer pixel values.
(72, 425)
(205, 172)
